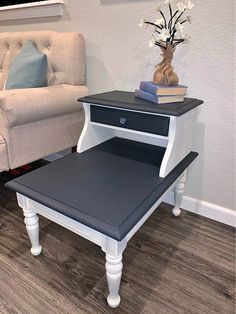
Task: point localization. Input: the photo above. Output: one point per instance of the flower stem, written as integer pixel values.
(178, 41)
(175, 14)
(173, 18)
(157, 26)
(170, 21)
(172, 37)
(163, 18)
(176, 21)
(159, 45)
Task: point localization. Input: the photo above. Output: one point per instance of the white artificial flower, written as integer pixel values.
(142, 21)
(185, 37)
(187, 18)
(179, 27)
(181, 19)
(181, 6)
(151, 42)
(164, 34)
(189, 5)
(168, 1)
(160, 21)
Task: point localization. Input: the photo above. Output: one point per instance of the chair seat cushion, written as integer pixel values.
(28, 69)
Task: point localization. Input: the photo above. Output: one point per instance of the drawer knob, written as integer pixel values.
(123, 121)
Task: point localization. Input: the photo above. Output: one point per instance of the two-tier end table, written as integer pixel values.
(130, 154)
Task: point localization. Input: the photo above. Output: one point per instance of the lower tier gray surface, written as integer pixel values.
(108, 188)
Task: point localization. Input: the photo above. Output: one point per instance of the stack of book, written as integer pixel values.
(160, 94)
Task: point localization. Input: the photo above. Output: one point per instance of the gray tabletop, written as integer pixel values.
(127, 100)
(108, 188)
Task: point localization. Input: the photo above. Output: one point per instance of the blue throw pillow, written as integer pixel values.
(28, 69)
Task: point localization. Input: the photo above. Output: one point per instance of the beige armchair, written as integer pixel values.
(37, 122)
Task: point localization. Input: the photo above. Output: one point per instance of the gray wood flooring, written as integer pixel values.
(172, 265)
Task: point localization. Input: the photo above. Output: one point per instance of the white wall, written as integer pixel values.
(118, 58)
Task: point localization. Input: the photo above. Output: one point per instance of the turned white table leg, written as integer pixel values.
(178, 195)
(32, 227)
(113, 271)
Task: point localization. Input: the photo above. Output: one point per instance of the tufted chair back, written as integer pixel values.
(65, 53)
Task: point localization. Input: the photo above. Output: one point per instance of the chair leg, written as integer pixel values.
(32, 227)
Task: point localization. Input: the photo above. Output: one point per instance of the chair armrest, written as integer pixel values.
(20, 106)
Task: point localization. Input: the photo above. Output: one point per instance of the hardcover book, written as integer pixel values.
(159, 90)
(158, 99)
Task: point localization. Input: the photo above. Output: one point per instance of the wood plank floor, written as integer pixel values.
(172, 265)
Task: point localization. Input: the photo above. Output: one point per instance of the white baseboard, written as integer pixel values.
(206, 209)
